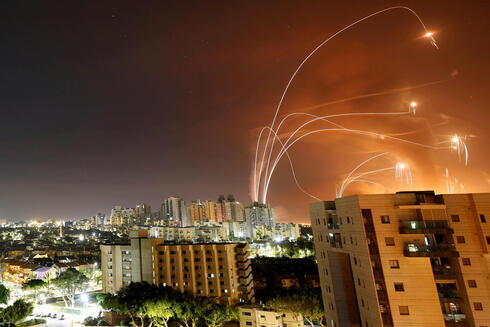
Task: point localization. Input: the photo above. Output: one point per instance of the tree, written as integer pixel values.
(191, 310)
(34, 287)
(69, 283)
(216, 315)
(160, 311)
(230, 198)
(134, 300)
(221, 198)
(19, 310)
(4, 294)
(306, 302)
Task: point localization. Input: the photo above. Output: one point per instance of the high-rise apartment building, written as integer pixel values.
(218, 270)
(195, 211)
(259, 214)
(175, 212)
(404, 259)
(142, 214)
(121, 216)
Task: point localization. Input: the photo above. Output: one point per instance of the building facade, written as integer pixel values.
(218, 270)
(259, 316)
(404, 259)
(259, 215)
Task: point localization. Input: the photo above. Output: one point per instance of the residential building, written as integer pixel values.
(287, 231)
(259, 214)
(404, 259)
(175, 212)
(218, 270)
(260, 316)
(172, 233)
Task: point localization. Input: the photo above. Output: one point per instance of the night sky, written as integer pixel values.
(123, 102)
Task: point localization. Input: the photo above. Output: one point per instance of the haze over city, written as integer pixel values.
(120, 103)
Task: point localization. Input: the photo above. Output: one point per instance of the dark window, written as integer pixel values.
(355, 260)
(466, 261)
(248, 323)
(483, 219)
(245, 313)
(403, 310)
(394, 264)
(488, 239)
(478, 306)
(455, 218)
(385, 219)
(399, 287)
(460, 239)
(348, 219)
(471, 283)
(390, 241)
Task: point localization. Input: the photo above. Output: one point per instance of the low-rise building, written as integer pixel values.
(260, 316)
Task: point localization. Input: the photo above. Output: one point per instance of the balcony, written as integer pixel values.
(414, 250)
(443, 272)
(455, 320)
(332, 225)
(425, 227)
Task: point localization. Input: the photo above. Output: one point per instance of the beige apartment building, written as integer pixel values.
(260, 316)
(218, 270)
(404, 259)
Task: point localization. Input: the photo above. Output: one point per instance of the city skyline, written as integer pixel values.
(119, 104)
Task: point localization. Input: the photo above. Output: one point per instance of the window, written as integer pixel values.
(248, 323)
(466, 261)
(399, 287)
(488, 239)
(355, 260)
(455, 218)
(403, 310)
(471, 283)
(460, 239)
(385, 219)
(348, 219)
(483, 219)
(246, 313)
(390, 241)
(478, 306)
(394, 264)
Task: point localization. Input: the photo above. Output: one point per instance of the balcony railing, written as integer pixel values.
(425, 227)
(422, 250)
(448, 294)
(444, 272)
(455, 319)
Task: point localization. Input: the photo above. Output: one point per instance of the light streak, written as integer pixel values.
(342, 187)
(354, 131)
(307, 58)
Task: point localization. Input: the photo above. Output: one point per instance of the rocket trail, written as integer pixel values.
(314, 51)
